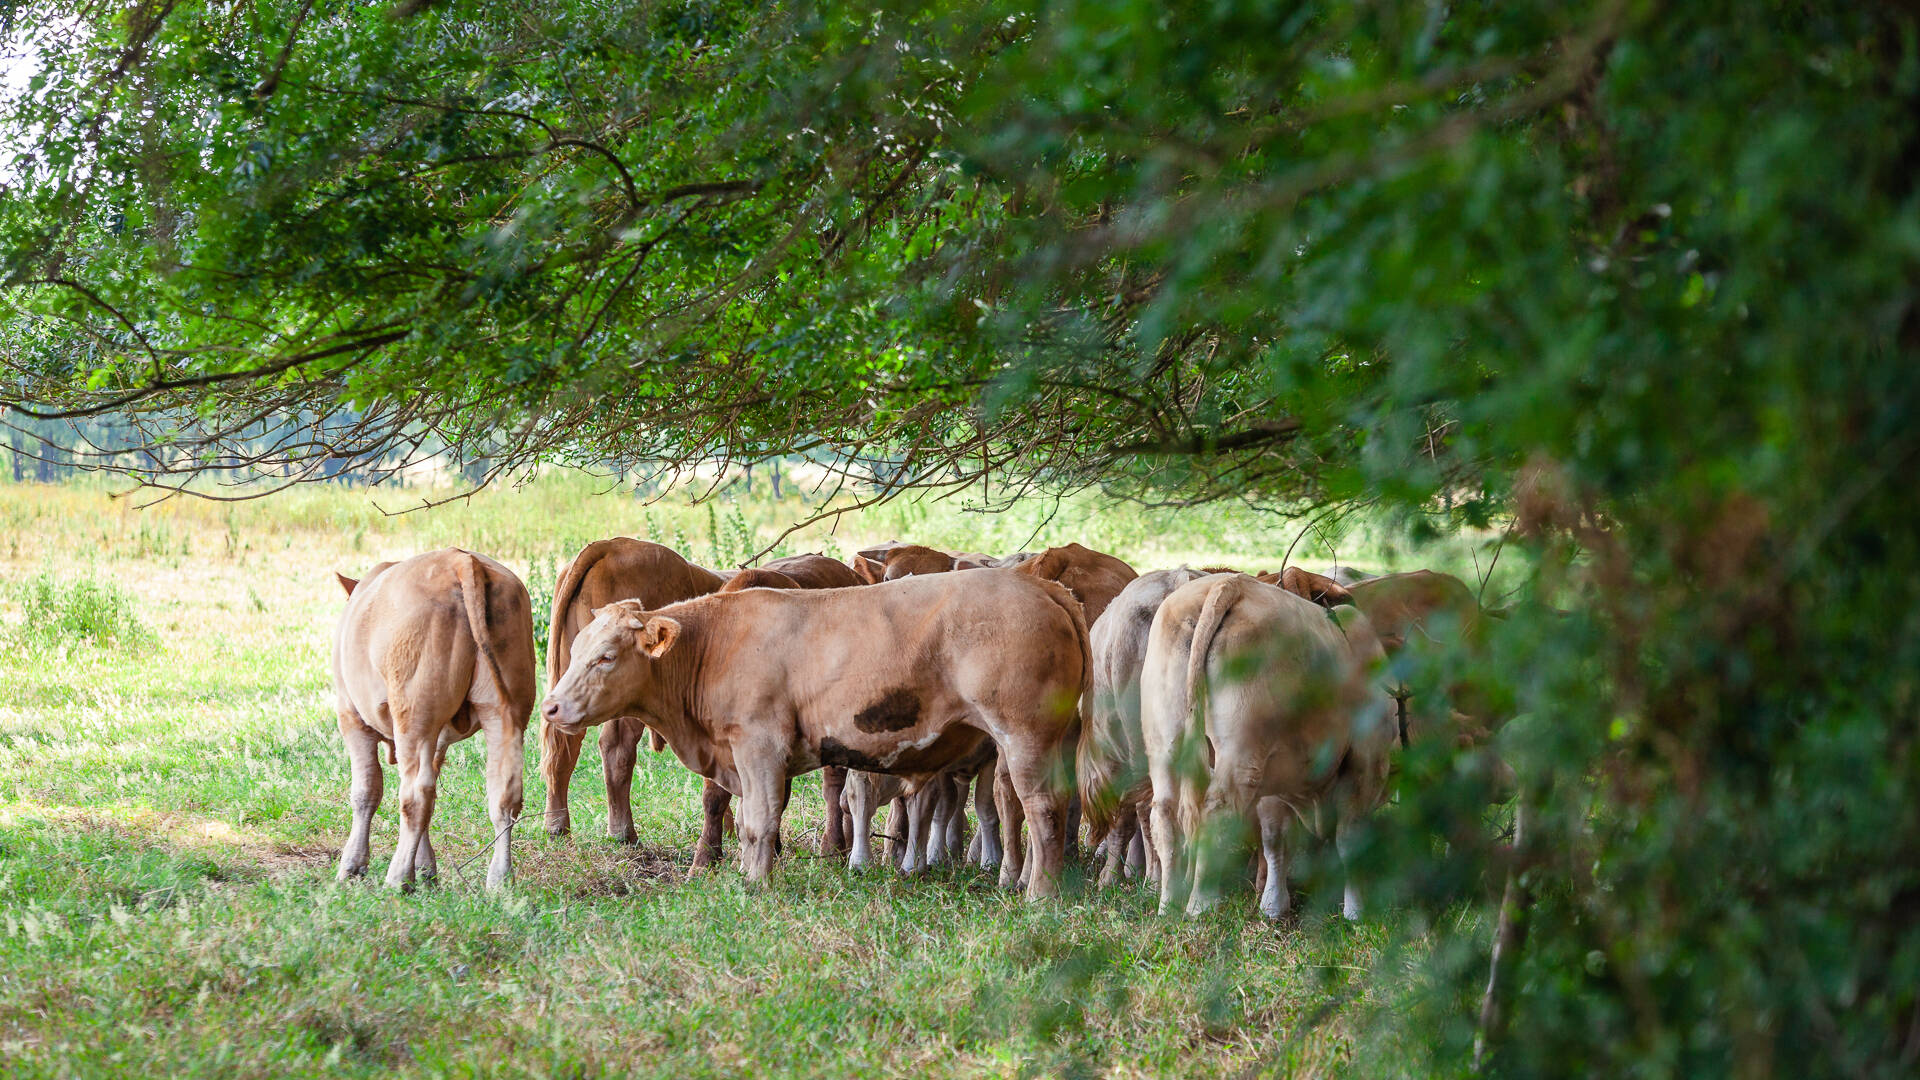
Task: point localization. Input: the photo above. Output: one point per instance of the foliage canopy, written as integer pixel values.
(1642, 275)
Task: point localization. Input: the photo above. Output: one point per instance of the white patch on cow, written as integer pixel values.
(916, 744)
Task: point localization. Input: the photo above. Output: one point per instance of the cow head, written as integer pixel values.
(910, 559)
(612, 668)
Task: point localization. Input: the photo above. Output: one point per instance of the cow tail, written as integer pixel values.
(473, 590)
(559, 649)
(1213, 614)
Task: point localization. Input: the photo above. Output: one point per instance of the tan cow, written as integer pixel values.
(1423, 610)
(1093, 577)
(1257, 703)
(428, 651)
(1112, 761)
(811, 571)
(752, 688)
(621, 568)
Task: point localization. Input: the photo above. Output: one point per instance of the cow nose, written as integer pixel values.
(551, 710)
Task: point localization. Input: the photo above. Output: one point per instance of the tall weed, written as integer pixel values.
(82, 611)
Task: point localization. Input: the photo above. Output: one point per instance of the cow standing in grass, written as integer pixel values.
(429, 651)
(752, 688)
(1257, 704)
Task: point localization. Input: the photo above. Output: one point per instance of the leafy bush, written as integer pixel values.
(81, 611)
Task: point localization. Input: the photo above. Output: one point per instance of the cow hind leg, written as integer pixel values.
(859, 796)
(833, 780)
(988, 811)
(919, 821)
(1012, 817)
(506, 760)
(1219, 842)
(418, 784)
(1274, 898)
(363, 760)
(714, 802)
(426, 865)
(1119, 841)
(1045, 808)
(619, 751)
(1164, 822)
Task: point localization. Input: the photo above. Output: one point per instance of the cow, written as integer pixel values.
(1342, 574)
(1425, 610)
(810, 571)
(1112, 762)
(754, 687)
(1258, 703)
(1094, 578)
(607, 570)
(428, 651)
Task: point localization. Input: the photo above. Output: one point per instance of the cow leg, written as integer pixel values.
(919, 817)
(426, 865)
(897, 850)
(418, 782)
(1274, 898)
(1218, 842)
(1119, 841)
(619, 750)
(1149, 854)
(1164, 823)
(987, 808)
(363, 761)
(714, 801)
(506, 760)
(957, 789)
(1046, 812)
(786, 797)
(1012, 817)
(559, 753)
(859, 796)
(1073, 826)
(1136, 857)
(833, 780)
(761, 787)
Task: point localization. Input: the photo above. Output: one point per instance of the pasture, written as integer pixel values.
(172, 800)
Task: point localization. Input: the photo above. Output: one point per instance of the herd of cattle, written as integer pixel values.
(1048, 685)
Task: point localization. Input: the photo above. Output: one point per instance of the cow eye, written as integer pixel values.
(606, 658)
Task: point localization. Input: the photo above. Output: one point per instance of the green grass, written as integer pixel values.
(172, 798)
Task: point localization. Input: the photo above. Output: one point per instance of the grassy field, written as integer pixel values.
(172, 798)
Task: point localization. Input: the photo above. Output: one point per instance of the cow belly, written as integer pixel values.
(909, 751)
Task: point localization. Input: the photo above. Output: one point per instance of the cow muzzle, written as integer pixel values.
(564, 716)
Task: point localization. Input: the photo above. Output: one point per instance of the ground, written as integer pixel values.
(172, 799)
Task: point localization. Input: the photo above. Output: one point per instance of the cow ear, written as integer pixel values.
(346, 582)
(870, 571)
(1309, 586)
(658, 635)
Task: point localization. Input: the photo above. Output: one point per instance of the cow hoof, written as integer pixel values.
(624, 836)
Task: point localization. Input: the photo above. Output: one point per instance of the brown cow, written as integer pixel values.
(815, 571)
(1308, 585)
(1423, 608)
(429, 651)
(754, 687)
(1094, 578)
(1303, 727)
(760, 578)
(607, 570)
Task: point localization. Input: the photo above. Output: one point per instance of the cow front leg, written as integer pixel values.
(1119, 841)
(714, 801)
(559, 753)
(363, 798)
(762, 785)
(619, 750)
(859, 796)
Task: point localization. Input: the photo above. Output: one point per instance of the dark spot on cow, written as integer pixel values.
(835, 752)
(898, 711)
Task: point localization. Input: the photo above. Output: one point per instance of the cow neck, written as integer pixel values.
(678, 705)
